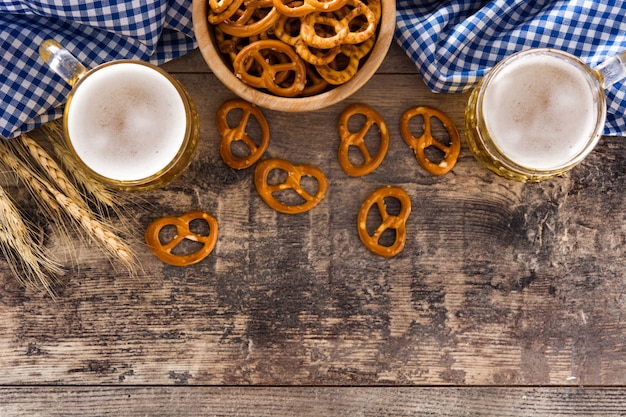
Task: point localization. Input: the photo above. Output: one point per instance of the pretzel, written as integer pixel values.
(217, 17)
(238, 133)
(292, 182)
(314, 82)
(309, 34)
(349, 139)
(249, 21)
(396, 222)
(218, 6)
(228, 45)
(302, 8)
(287, 29)
(335, 73)
(419, 145)
(163, 251)
(363, 31)
(267, 77)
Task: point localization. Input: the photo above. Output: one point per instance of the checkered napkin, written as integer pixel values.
(93, 31)
(454, 43)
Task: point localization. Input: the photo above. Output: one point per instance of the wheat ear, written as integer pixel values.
(51, 169)
(49, 205)
(54, 200)
(98, 231)
(31, 264)
(102, 195)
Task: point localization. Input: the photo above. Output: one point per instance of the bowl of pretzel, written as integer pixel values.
(294, 55)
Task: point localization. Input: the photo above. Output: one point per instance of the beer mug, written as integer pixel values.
(539, 112)
(129, 123)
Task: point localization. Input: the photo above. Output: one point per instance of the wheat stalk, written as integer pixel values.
(102, 195)
(53, 200)
(97, 231)
(31, 264)
(38, 190)
(50, 168)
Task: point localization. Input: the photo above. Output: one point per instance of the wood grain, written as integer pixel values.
(500, 284)
(313, 402)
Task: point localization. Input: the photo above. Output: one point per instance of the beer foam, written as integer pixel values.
(126, 121)
(540, 111)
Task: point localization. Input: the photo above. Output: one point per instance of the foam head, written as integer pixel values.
(126, 121)
(541, 110)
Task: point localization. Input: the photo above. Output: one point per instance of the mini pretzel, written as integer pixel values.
(163, 251)
(396, 222)
(314, 82)
(309, 34)
(287, 29)
(238, 133)
(353, 54)
(217, 17)
(365, 31)
(267, 77)
(349, 138)
(419, 145)
(292, 182)
(299, 9)
(248, 22)
(218, 6)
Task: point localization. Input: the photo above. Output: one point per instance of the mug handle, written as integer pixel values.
(612, 70)
(61, 61)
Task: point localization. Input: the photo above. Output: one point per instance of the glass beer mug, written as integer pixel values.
(539, 112)
(129, 123)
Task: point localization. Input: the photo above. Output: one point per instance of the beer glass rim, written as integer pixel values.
(595, 86)
(188, 135)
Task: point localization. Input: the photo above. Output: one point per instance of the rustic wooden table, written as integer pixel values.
(508, 299)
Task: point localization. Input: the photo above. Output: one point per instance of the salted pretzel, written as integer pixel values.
(309, 30)
(256, 16)
(396, 222)
(292, 182)
(215, 18)
(302, 8)
(366, 29)
(336, 73)
(267, 77)
(287, 29)
(238, 133)
(420, 144)
(218, 6)
(357, 139)
(163, 250)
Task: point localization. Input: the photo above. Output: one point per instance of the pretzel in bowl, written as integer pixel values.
(164, 250)
(266, 78)
(396, 222)
(302, 8)
(346, 63)
(231, 134)
(292, 182)
(420, 144)
(357, 139)
(331, 38)
(253, 18)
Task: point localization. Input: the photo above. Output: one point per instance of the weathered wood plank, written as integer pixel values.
(314, 402)
(500, 283)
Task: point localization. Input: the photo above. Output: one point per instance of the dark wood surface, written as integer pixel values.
(507, 300)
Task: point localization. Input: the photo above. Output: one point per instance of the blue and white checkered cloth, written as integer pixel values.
(94, 31)
(454, 43)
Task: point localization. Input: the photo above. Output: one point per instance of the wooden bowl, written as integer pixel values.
(214, 59)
